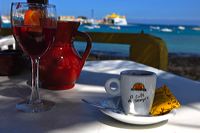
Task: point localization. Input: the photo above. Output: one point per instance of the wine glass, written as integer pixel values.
(34, 27)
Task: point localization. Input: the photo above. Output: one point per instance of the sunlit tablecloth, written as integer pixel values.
(71, 115)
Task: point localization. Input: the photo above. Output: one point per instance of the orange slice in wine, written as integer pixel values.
(33, 18)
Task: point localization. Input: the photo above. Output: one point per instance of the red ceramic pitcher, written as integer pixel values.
(60, 67)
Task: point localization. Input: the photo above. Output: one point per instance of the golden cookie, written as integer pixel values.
(164, 101)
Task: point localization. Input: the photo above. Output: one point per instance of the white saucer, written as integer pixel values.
(119, 115)
(138, 120)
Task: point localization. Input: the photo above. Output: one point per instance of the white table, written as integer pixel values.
(7, 41)
(71, 115)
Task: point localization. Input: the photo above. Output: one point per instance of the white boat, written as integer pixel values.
(96, 26)
(166, 30)
(155, 27)
(92, 26)
(115, 19)
(181, 27)
(115, 27)
(196, 28)
(89, 27)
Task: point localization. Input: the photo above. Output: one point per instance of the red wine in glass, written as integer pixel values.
(34, 43)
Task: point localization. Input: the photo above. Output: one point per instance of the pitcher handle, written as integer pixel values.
(88, 47)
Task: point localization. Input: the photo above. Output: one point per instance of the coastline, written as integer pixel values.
(182, 64)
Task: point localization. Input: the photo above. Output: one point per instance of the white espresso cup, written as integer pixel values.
(136, 88)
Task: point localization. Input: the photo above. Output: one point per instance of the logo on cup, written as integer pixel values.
(138, 87)
(140, 95)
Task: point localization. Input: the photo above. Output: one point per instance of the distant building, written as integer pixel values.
(81, 19)
(66, 18)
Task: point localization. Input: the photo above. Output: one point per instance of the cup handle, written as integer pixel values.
(88, 47)
(111, 91)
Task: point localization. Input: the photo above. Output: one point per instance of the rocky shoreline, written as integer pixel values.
(186, 65)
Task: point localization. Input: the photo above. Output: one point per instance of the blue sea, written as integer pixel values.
(180, 39)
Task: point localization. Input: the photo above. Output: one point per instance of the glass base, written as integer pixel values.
(42, 106)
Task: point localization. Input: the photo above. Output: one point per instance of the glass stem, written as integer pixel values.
(35, 97)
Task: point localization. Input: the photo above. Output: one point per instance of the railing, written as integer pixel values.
(144, 48)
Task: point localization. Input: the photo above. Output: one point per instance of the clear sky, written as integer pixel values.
(164, 11)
